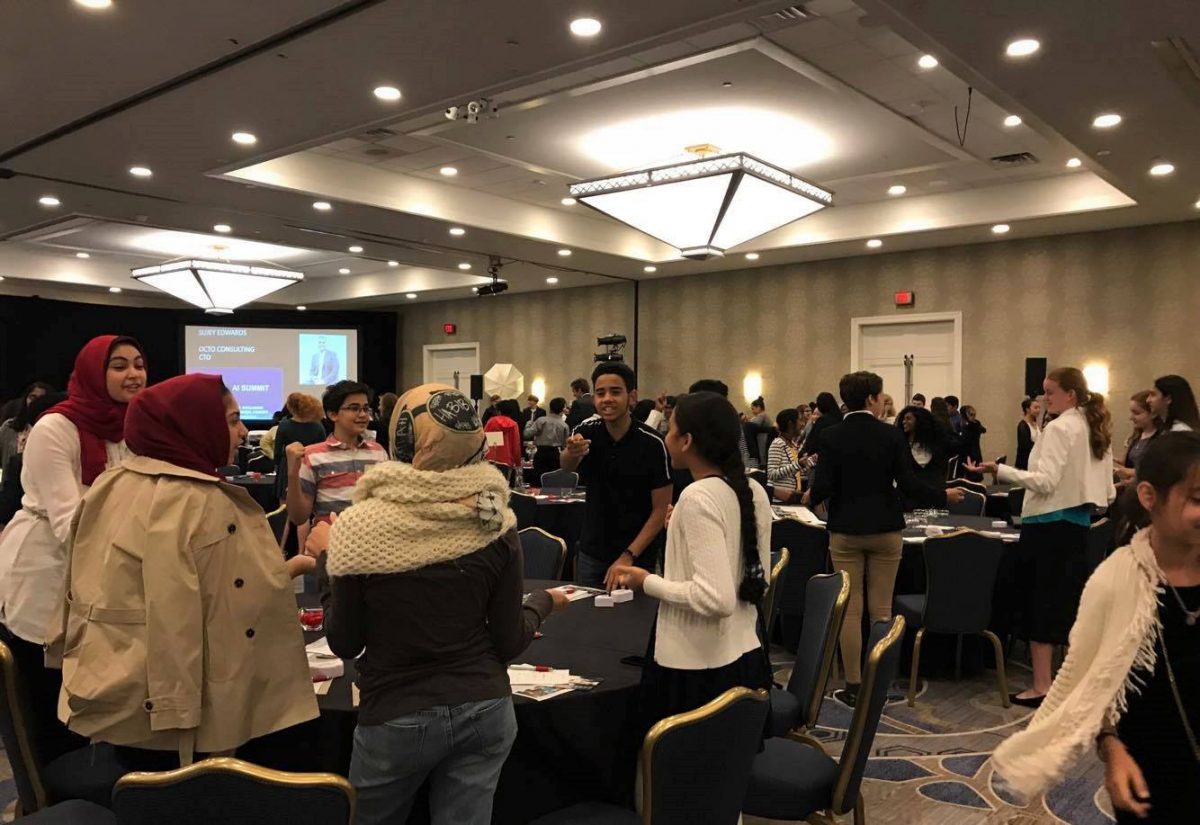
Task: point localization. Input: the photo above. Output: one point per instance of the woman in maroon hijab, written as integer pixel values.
(217, 656)
(70, 446)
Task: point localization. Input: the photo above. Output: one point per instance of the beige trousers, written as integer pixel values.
(878, 556)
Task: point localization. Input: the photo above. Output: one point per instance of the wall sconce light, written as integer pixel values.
(752, 386)
(538, 388)
(1097, 377)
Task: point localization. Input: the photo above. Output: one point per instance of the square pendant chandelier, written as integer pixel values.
(217, 287)
(703, 207)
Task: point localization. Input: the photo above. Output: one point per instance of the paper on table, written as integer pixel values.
(353, 695)
(321, 688)
(574, 593)
(325, 668)
(540, 693)
(320, 648)
(799, 514)
(519, 676)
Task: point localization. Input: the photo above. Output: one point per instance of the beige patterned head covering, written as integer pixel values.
(435, 427)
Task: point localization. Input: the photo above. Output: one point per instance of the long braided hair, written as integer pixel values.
(713, 424)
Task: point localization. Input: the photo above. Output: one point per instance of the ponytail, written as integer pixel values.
(1091, 404)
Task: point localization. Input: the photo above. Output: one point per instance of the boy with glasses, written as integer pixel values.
(321, 477)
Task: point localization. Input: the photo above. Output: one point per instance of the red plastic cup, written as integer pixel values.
(312, 618)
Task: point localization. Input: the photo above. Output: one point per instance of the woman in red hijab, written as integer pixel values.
(218, 657)
(69, 447)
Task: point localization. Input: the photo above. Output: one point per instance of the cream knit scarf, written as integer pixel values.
(404, 519)
(1112, 652)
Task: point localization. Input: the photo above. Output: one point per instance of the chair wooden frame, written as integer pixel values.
(542, 483)
(997, 647)
(830, 646)
(772, 595)
(969, 494)
(287, 524)
(237, 767)
(967, 484)
(562, 547)
(25, 750)
(679, 720)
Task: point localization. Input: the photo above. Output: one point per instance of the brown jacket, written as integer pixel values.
(180, 629)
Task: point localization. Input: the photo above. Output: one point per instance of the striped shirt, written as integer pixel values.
(330, 470)
(783, 463)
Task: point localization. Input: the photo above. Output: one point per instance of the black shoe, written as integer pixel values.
(846, 697)
(1031, 702)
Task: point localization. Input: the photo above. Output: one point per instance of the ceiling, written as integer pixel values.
(829, 89)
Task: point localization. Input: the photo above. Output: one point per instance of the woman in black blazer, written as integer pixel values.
(928, 450)
(831, 414)
(1027, 431)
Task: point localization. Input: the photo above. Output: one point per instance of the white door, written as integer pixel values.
(452, 364)
(934, 345)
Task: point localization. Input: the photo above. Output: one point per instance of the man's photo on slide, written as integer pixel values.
(322, 359)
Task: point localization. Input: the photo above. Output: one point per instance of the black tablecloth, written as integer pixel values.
(562, 518)
(571, 748)
(261, 489)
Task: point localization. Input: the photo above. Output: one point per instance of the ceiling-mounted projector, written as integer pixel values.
(494, 288)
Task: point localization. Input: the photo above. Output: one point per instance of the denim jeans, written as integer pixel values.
(459, 750)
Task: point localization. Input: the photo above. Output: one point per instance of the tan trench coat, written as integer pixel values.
(180, 629)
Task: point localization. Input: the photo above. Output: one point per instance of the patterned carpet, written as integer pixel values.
(930, 763)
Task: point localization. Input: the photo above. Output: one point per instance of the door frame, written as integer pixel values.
(857, 325)
(429, 348)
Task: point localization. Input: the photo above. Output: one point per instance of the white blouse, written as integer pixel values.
(33, 552)
(702, 623)
(1062, 472)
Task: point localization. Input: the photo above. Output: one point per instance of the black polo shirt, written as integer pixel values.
(619, 476)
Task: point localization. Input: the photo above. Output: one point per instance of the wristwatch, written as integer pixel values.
(632, 555)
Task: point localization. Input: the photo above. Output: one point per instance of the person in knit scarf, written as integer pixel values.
(423, 576)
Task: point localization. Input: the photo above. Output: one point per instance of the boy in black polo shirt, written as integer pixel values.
(627, 472)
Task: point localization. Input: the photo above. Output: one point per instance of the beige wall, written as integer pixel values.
(1129, 298)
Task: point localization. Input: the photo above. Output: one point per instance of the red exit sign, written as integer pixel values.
(905, 299)
(449, 329)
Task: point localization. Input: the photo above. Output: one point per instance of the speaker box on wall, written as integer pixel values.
(477, 386)
(1035, 374)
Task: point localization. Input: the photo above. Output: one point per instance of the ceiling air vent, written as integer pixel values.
(376, 135)
(783, 18)
(1014, 160)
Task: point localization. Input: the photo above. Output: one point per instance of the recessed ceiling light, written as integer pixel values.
(464, 266)
(457, 231)
(322, 206)
(82, 255)
(343, 271)
(1161, 168)
(565, 253)
(928, 61)
(474, 289)
(49, 200)
(223, 228)
(355, 248)
(393, 263)
(650, 269)
(751, 256)
(301, 308)
(898, 189)
(410, 295)
(140, 171)
(1107, 120)
(874, 243)
(1012, 120)
(1, 277)
(1000, 229)
(448, 171)
(585, 27)
(552, 280)
(387, 93)
(1196, 204)
(244, 138)
(1074, 163)
(1023, 47)
(94, 4)
(114, 289)
(568, 201)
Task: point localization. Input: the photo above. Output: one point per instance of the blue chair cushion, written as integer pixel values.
(590, 813)
(72, 812)
(87, 773)
(912, 607)
(785, 712)
(790, 781)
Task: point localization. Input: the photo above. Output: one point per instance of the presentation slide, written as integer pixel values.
(262, 366)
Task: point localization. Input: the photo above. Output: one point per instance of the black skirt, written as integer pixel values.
(1052, 570)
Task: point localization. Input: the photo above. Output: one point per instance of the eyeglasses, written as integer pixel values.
(357, 409)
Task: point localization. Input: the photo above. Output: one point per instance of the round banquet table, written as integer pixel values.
(562, 517)
(570, 748)
(261, 488)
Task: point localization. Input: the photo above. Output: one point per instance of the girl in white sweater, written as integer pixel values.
(706, 638)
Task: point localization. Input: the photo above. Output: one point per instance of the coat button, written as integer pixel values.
(148, 705)
(250, 633)
(238, 582)
(232, 528)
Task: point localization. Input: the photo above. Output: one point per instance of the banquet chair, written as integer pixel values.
(695, 767)
(952, 467)
(972, 504)
(967, 484)
(87, 773)
(794, 779)
(960, 573)
(1099, 542)
(544, 554)
(797, 706)
(524, 507)
(808, 548)
(779, 563)
(230, 790)
(279, 523)
(71, 812)
(560, 480)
